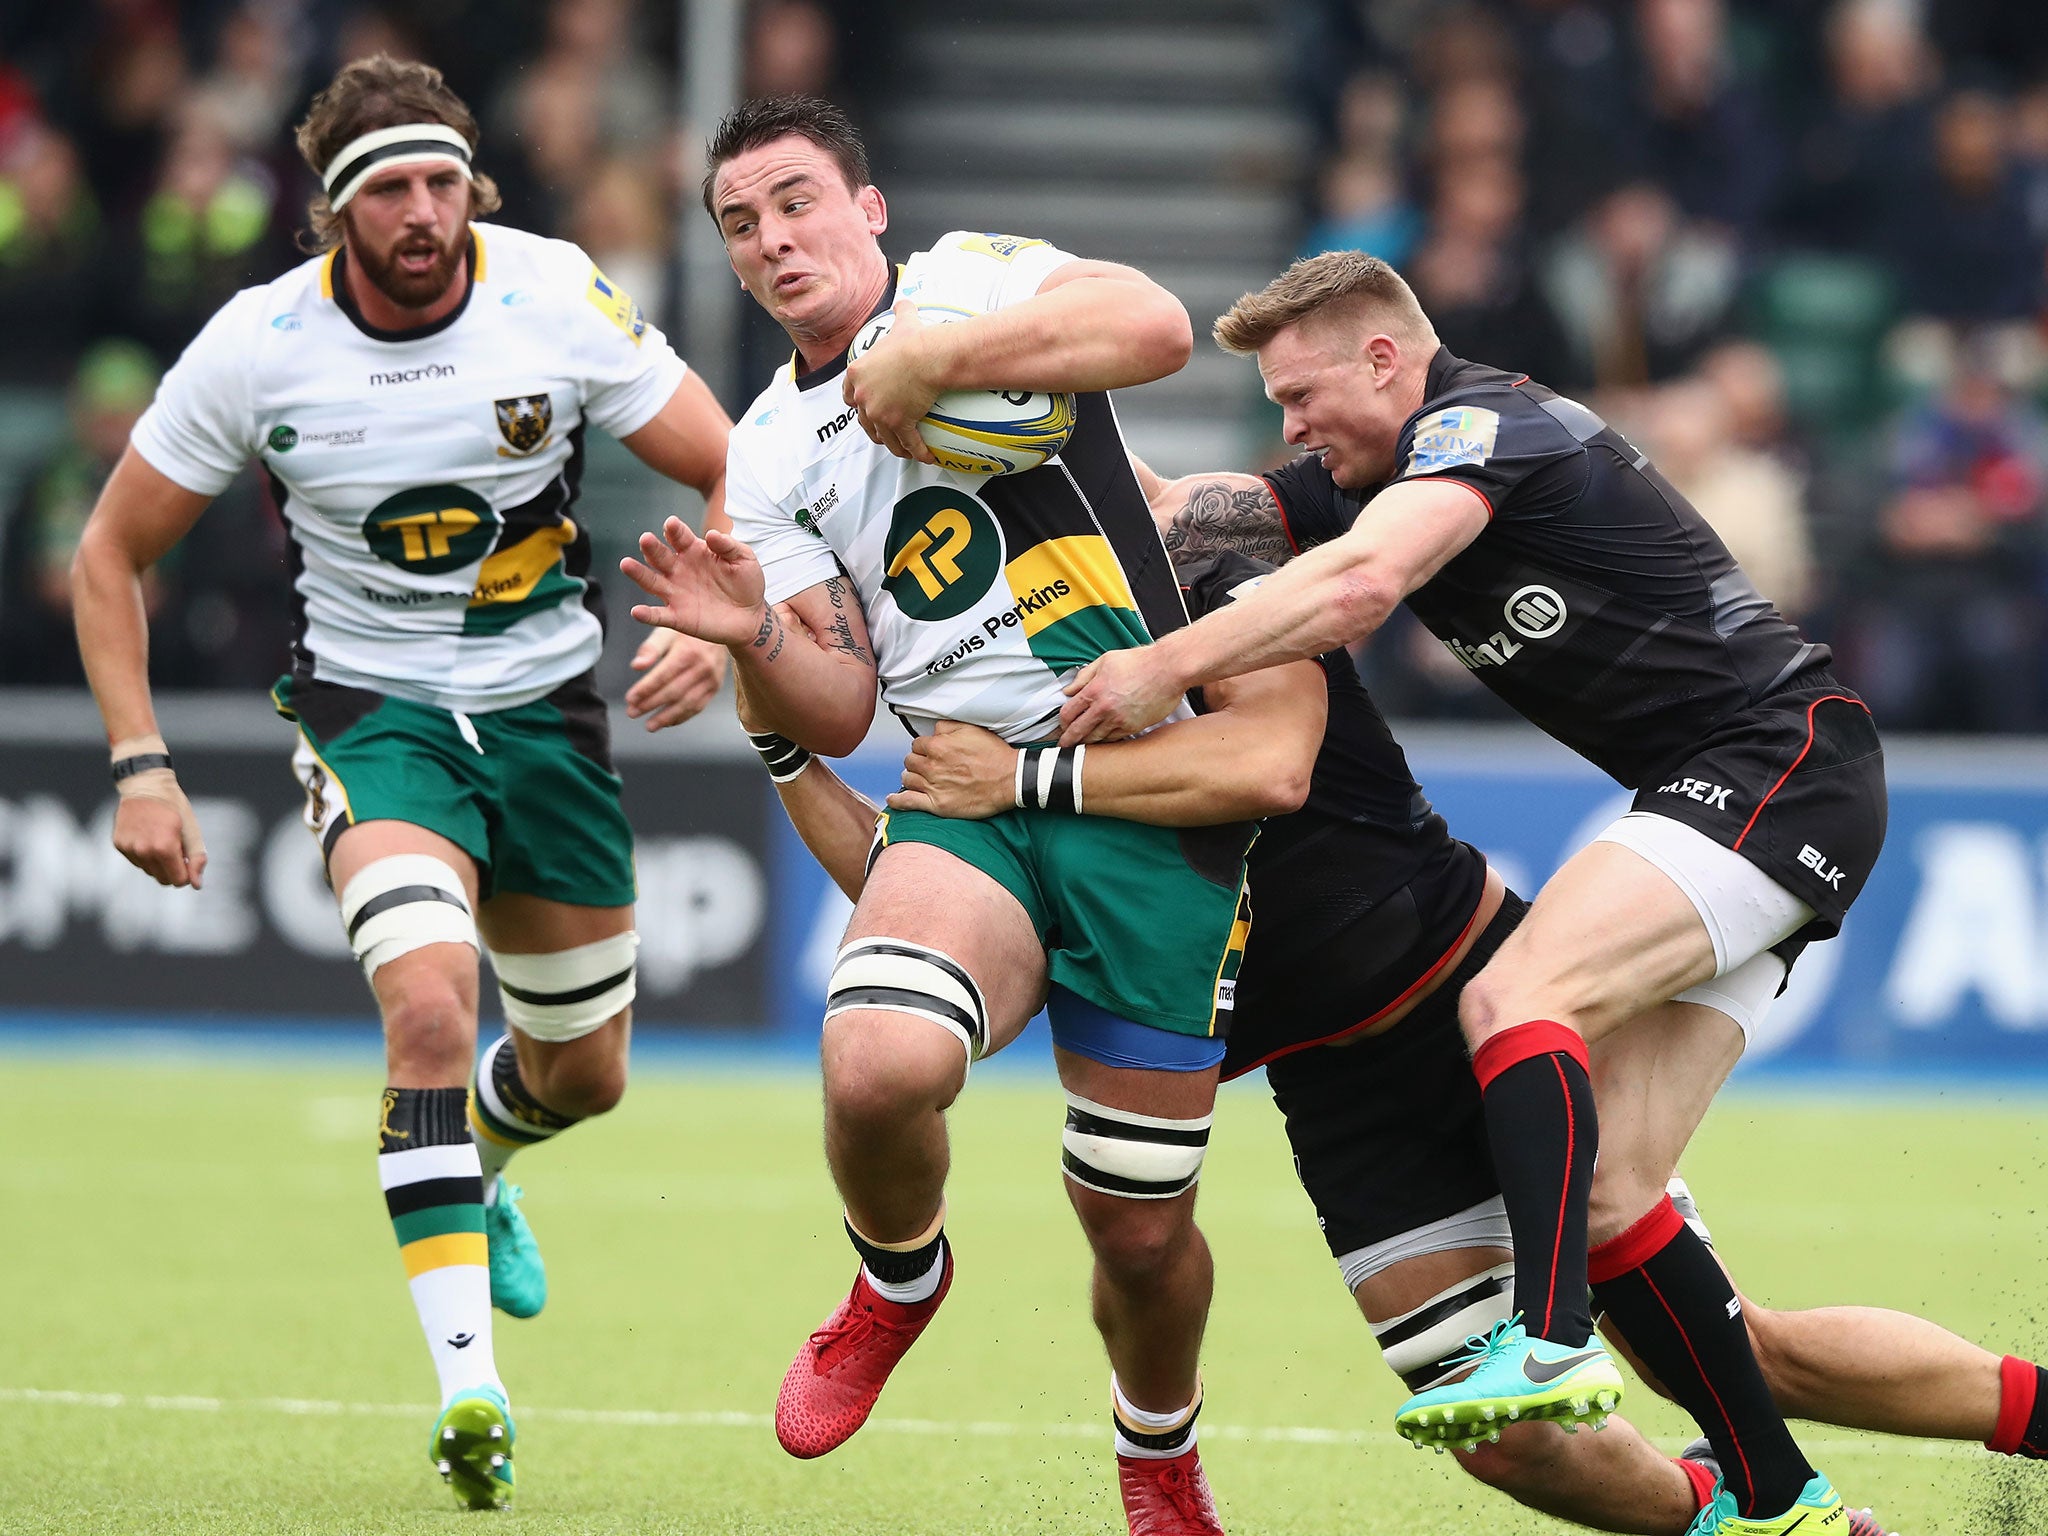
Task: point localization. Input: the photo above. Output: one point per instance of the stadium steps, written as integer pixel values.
(1155, 132)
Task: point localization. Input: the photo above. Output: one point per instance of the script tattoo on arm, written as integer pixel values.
(839, 632)
(771, 629)
(1223, 514)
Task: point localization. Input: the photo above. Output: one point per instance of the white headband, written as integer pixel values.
(407, 144)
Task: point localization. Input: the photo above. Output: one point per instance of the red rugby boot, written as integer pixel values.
(1167, 1496)
(836, 1377)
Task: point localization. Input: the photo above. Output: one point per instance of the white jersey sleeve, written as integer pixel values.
(628, 366)
(792, 558)
(201, 429)
(982, 271)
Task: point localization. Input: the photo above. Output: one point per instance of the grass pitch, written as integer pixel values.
(204, 1327)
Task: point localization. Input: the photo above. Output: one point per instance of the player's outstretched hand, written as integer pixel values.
(961, 771)
(710, 587)
(888, 389)
(679, 676)
(1118, 694)
(155, 830)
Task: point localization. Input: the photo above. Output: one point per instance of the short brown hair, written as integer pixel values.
(380, 92)
(1338, 285)
(768, 118)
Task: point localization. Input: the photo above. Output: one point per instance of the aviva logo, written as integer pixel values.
(431, 529)
(942, 554)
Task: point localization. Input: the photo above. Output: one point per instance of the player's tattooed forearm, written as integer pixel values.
(1218, 514)
(771, 628)
(841, 632)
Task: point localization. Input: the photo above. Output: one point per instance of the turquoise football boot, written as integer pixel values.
(1515, 1378)
(1818, 1511)
(519, 1280)
(472, 1448)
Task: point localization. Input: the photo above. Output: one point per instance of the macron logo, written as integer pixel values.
(835, 426)
(413, 375)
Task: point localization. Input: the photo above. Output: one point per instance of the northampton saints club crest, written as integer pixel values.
(524, 420)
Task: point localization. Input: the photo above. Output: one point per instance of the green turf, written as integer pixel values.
(212, 1232)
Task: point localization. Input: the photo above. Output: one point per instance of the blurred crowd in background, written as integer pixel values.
(1795, 248)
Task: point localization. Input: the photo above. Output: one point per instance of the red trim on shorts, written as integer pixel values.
(1525, 1042)
(1816, 704)
(1519, 382)
(1702, 1479)
(2017, 1381)
(1641, 1243)
(1436, 967)
(1286, 527)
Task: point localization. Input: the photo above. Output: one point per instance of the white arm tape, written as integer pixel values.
(403, 902)
(570, 992)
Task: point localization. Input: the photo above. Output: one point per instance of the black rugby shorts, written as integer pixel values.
(1796, 786)
(1388, 1131)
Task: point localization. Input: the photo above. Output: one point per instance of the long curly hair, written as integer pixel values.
(368, 94)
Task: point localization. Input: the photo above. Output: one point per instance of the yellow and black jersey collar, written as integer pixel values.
(831, 369)
(332, 287)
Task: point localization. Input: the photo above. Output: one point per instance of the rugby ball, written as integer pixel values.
(982, 431)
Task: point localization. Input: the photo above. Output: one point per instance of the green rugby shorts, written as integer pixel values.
(528, 793)
(1146, 922)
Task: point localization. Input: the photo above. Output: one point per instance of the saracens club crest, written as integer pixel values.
(523, 421)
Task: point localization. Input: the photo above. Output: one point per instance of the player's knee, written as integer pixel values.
(429, 1028)
(1136, 1241)
(1481, 1013)
(903, 1021)
(591, 1087)
(1620, 1197)
(1775, 1338)
(878, 1074)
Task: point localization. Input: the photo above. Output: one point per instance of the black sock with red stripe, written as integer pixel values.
(2022, 1410)
(1540, 1120)
(1662, 1288)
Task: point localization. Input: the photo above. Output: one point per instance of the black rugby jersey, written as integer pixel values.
(1597, 602)
(1366, 827)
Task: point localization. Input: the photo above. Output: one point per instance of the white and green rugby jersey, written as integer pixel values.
(981, 592)
(427, 477)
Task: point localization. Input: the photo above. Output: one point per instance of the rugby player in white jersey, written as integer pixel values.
(418, 395)
(978, 592)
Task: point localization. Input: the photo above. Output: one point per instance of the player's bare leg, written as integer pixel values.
(1612, 1481)
(940, 964)
(1153, 1276)
(1611, 935)
(400, 885)
(1153, 1273)
(1874, 1369)
(557, 1064)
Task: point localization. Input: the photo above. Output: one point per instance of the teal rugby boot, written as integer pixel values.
(519, 1280)
(1515, 1378)
(472, 1448)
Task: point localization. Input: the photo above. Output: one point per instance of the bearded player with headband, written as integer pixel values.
(418, 395)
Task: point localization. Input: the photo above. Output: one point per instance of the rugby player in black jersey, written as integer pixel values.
(1373, 917)
(1583, 589)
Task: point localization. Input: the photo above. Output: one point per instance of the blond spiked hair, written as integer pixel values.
(1334, 288)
